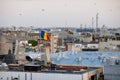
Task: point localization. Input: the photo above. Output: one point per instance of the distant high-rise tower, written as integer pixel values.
(93, 23)
(97, 21)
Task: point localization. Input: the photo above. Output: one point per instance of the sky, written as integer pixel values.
(59, 13)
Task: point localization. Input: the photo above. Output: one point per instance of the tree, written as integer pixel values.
(33, 42)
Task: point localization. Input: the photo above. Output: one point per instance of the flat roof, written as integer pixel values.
(66, 72)
(84, 58)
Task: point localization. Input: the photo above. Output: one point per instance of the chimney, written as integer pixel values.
(47, 52)
(46, 56)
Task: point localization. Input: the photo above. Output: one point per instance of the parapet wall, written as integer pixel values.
(109, 46)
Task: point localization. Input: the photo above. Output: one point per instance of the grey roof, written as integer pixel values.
(10, 58)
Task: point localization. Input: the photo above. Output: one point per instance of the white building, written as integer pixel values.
(83, 46)
(89, 74)
(54, 42)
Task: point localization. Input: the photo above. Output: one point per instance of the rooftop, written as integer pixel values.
(66, 72)
(85, 58)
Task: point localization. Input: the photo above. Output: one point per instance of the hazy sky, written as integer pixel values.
(59, 13)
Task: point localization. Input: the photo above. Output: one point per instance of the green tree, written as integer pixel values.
(33, 42)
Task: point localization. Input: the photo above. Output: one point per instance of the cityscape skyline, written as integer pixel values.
(59, 13)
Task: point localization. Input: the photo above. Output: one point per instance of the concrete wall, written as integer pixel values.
(109, 46)
(48, 76)
(102, 46)
(79, 47)
(40, 76)
(5, 45)
(112, 72)
(54, 42)
(85, 76)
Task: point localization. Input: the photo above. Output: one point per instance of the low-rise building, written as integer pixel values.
(83, 46)
(62, 72)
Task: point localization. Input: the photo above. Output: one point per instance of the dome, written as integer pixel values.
(9, 58)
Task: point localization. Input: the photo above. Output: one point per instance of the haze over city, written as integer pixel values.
(59, 13)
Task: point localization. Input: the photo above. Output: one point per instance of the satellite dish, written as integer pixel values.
(29, 58)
